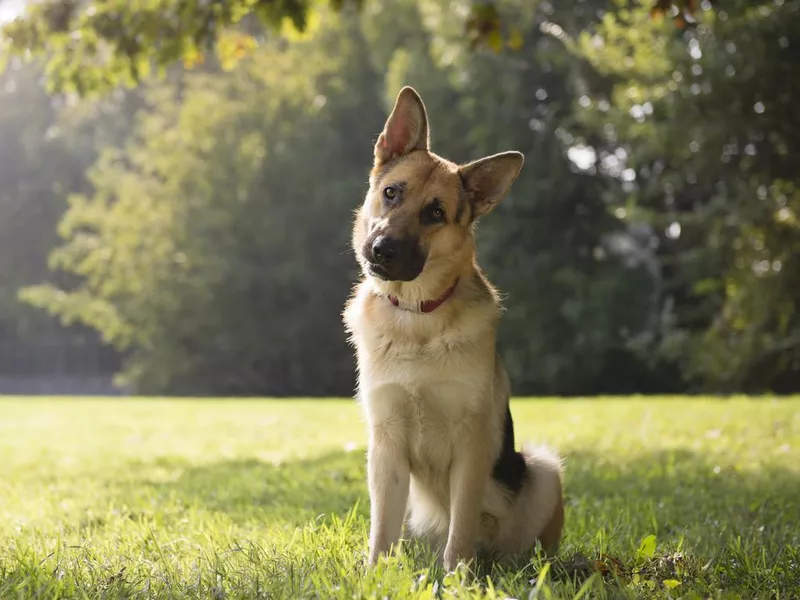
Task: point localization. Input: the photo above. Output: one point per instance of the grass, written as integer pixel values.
(223, 499)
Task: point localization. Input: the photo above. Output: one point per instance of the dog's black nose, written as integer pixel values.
(384, 250)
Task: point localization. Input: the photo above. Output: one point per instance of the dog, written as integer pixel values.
(423, 320)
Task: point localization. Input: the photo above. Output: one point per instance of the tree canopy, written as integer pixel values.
(649, 245)
(92, 46)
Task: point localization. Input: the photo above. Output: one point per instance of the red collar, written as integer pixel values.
(427, 306)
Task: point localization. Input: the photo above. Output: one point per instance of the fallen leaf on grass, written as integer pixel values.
(608, 564)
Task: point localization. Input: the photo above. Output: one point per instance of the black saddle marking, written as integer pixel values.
(510, 468)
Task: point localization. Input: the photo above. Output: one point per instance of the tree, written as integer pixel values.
(92, 46)
(45, 151)
(208, 249)
(649, 243)
(705, 116)
(571, 301)
(200, 252)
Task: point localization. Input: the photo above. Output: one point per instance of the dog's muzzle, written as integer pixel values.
(394, 259)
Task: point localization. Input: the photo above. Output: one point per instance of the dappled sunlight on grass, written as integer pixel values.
(139, 498)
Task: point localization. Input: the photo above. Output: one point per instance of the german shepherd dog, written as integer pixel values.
(423, 321)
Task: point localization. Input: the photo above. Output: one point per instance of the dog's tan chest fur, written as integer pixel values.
(427, 375)
(401, 348)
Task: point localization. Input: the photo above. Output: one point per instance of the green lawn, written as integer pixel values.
(267, 499)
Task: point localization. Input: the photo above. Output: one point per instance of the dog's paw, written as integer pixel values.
(378, 549)
(453, 556)
(374, 554)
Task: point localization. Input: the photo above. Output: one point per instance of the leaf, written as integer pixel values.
(495, 40)
(233, 48)
(192, 57)
(540, 580)
(515, 39)
(483, 27)
(671, 583)
(293, 33)
(707, 286)
(647, 548)
(587, 585)
(608, 564)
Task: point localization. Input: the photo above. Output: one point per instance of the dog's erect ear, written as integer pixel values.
(406, 128)
(488, 180)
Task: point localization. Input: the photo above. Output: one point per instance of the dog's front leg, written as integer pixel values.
(469, 474)
(388, 472)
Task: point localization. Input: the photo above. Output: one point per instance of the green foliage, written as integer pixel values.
(544, 247)
(45, 151)
(207, 247)
(21, 155)
(93, 46)
(707, 120)
(136, 498)
(650, 244)
(216, 246)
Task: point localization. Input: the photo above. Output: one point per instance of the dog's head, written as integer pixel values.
(416, 222)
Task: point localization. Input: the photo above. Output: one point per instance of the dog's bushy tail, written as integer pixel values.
(546, 467)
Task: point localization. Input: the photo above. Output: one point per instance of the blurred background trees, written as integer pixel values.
(191, 231)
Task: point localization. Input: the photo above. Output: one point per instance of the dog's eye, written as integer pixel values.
(433, 213)
(390, 192)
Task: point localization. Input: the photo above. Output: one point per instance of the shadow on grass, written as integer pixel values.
(293, 491)
(681, 493)
(674, 494)
(707, 514)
